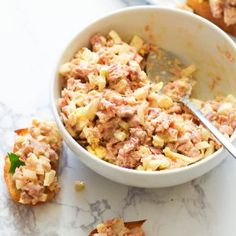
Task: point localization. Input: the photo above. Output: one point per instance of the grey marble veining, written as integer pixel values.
(205, 206)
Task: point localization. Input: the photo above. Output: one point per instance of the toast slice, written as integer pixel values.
(11, 183)
(14, 193)
(119, 225)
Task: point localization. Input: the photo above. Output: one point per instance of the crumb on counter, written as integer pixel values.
(79, 185)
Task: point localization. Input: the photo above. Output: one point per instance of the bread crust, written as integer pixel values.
(15, 194)
(203, 9)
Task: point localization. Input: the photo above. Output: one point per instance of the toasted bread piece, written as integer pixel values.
(14, 193)
(202, 8)
(129, 225)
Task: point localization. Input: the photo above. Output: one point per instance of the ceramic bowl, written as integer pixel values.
(196, 41)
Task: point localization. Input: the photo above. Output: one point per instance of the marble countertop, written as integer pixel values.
(33, 34)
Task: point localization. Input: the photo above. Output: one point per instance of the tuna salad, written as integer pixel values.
(111, 108)
(225, 9)
(30, 170)
(116, 227)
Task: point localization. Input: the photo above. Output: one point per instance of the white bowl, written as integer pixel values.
(195, 39)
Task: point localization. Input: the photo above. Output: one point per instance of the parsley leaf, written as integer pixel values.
(15, 162)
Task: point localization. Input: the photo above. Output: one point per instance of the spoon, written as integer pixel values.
(159, 64)
(129, 225)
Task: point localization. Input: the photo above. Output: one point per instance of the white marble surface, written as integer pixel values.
(32, 35)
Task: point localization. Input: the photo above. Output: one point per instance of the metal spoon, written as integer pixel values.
(159, 64)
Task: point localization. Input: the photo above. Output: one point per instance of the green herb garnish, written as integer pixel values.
(15, 162)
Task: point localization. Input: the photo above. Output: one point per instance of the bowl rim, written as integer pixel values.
(83, 151)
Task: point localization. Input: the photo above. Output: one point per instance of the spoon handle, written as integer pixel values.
(219, 136)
